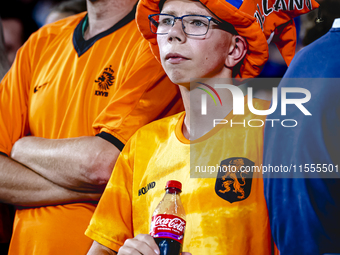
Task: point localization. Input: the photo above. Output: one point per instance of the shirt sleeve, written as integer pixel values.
(145, 93)
(14, 91)
(112, 223)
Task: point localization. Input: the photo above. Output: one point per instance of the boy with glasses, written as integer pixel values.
(225, 211)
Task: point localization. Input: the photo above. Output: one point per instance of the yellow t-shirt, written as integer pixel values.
(57, 87)
(225, 214)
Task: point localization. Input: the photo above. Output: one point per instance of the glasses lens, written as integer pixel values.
(195, 25)
(161, 24)
(192, 24)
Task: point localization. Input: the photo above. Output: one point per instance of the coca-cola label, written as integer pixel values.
(167, 226)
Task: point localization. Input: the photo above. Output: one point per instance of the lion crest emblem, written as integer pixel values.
(106, 80)
(234, 183)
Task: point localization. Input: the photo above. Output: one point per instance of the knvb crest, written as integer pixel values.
(105, 81)
(234, 184)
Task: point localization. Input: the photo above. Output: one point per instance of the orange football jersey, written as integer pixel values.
(57, 87)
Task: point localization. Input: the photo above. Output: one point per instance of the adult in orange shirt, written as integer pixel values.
(89, 69)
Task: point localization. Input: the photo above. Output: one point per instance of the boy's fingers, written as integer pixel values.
(149, 241)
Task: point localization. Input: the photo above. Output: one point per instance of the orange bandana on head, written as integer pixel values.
(255, 20)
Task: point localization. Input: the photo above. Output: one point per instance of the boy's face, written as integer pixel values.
(184, 56)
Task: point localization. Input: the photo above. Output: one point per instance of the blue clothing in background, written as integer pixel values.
(305, 212)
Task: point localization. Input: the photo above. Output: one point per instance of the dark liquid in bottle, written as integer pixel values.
(168, 246)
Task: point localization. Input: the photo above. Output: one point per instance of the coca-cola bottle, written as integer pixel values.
(168, 221)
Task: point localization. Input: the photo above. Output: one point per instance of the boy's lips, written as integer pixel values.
(175, 58)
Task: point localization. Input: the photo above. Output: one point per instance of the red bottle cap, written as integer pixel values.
(174, 184)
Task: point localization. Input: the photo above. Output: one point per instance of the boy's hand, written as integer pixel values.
(141, 244)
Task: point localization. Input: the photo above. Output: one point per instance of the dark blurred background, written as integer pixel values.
(20, 18)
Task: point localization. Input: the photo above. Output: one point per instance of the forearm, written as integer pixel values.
(98, 249)
(22, 187)
(83, 164)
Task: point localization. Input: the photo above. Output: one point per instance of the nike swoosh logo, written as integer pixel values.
(36, 88)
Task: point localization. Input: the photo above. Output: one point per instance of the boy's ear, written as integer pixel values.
(237, 51)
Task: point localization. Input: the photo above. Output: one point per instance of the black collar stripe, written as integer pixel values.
(79, 43)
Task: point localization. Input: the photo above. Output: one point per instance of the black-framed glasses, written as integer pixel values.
(195, 25)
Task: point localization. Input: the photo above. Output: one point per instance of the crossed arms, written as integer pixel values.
(44, 172)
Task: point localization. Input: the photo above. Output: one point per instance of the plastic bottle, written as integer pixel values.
(168, 221)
